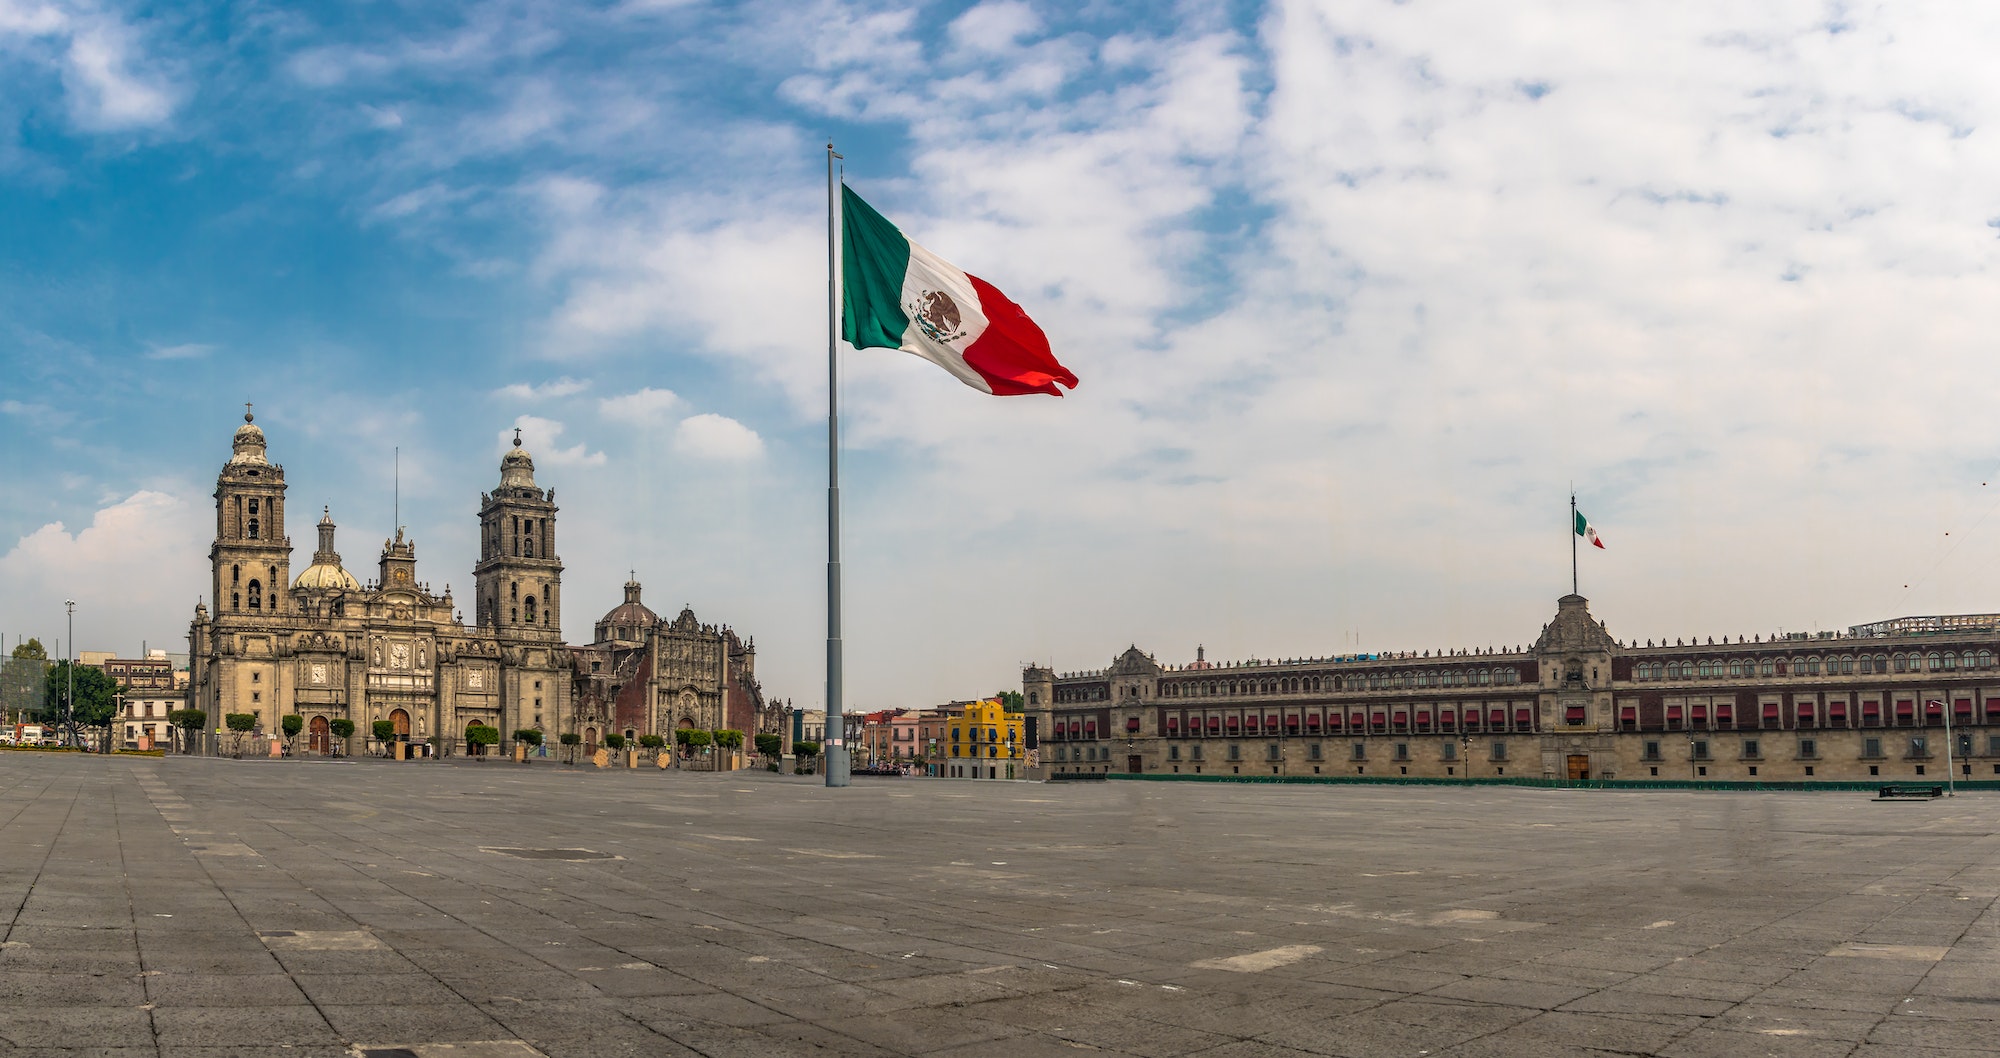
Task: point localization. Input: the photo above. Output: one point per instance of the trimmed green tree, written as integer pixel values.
(292, 725)
(385, 731)
(654, 743)
(570, 741)
(614, 741)
(805, 750)
(769, 745)
(343, 729)
(191, 722)
(482, 736)
(239, 724)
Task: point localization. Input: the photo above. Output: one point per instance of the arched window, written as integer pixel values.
(1950, 660)
(236, 574)
(530, 608)
(253, 529)
(256, 596)
(1934, 660)
(236, 600)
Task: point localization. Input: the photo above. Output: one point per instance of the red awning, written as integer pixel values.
(1402, 716)
(1701, 712)
(1673, 712)
(1270, 721)
(1312, 720)
(1574, 714)
(1905, 708)
(1724, 713)
(1836, 708)
(1497, 716)
(1423, 716)
(1629, 713)
(1771, 709)
(1131, 723)
(1232, 721)
(1379, 718)
(1173, 722)
(1447, 721)
(1214, 721)
(1805, 709)
(1524, 717)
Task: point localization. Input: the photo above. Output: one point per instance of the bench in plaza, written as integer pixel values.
(1908, 793)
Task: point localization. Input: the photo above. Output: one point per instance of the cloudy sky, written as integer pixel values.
(1357, 291)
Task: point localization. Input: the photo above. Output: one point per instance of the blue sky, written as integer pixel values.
(1356, 291)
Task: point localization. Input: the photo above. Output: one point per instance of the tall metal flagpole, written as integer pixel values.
(1573, 590)
(836, 727)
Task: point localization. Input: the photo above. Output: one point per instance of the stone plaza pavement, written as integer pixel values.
(302, 908)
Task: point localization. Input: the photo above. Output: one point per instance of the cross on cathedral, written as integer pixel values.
(246, 412)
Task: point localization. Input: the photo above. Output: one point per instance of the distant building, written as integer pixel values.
(152, 690)
(985, 741)
(1871, 703)
(642, 675)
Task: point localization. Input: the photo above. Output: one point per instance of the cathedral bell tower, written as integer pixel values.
(519, 577)
(251, 556)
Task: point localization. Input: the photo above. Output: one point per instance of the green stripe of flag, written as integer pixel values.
(874, 256)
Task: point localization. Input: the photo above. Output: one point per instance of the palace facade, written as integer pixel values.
(1871, 703)
(326, 646)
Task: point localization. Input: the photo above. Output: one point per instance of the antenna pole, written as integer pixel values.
(1572, 544)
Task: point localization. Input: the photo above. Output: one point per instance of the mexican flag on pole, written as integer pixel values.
(898, 295)
(1587, 531)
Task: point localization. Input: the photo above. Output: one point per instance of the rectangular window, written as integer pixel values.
(1652, 749)
(1700, 749)
(1233, 752)
(1808, 748)
(1499, 751)
(1751, 749)
(1173, 753)
(1920, 746)
(1312, 752)
(1194, 753)
(1402, 751)
(1361, 751)
(1871, 747)
(1451, 751)
(1271, 751)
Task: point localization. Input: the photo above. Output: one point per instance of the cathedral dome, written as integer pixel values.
(326, 571)
(320, 575)
(248, 442)
(628, 621)
(516, 467)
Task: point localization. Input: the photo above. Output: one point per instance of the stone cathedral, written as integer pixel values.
(325, 646)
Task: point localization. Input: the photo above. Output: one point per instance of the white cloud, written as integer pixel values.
(718, 437)
(539, 436)
(994, 25)
(641, 407)
(109, 83)
(550, 390)
(137, 561)
(182, 351)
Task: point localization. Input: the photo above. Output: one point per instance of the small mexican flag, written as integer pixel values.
(1586, 530)
(898, 295)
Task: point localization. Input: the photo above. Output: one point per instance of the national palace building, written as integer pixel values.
(1871, 703)
(325, 646)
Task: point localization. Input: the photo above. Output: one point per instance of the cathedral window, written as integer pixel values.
(236, 574)
(256, 596)
(531, 609)
(253, 529)
(514, 615)
(236, 600)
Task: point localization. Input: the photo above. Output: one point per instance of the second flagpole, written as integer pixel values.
(837, 770)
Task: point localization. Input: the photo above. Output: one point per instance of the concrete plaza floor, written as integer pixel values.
(217, 907)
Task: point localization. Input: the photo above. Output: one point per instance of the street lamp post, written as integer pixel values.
(1950, 770)
(69, 669)
(1465, 751)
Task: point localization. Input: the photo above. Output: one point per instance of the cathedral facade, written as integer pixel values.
(326, 646)
(643, 674)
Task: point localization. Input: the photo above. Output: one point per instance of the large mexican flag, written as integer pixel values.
(898, 295)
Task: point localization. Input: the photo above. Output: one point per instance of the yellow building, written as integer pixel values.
(985, 742)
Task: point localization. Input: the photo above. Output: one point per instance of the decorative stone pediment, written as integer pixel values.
(1574, 631)
(1135, 662)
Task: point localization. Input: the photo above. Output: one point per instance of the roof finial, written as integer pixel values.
(517, 437)
(247, 417)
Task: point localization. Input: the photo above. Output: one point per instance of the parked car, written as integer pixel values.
(6, 738)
